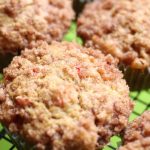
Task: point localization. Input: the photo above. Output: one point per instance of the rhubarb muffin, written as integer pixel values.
(120, 28)
(137, 134)
(64, 96)
(25, 21)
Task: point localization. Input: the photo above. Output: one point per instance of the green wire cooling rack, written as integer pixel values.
(141, 99)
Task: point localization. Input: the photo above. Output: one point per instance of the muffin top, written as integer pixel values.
(64, 96)
(120, 28)
(25, 21)
(137, 134)
(142, 144)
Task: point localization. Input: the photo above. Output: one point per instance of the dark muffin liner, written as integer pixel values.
(78, 5)
(136, 79)
(5, 60)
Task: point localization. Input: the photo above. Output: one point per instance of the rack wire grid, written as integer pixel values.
(141, 99)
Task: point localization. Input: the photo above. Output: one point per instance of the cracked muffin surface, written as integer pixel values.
(25, 21)
(64, 97)
(120, 28)
(137, 133)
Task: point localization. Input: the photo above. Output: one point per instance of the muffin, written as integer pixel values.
(137, 134)
(25, 21)
(120, 28)
(64, 96)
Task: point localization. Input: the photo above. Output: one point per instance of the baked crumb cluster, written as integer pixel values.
(64, 97)
(120, 28)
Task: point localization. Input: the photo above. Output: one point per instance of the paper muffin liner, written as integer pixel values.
(79, 5)
(136, 79)
(5, 60)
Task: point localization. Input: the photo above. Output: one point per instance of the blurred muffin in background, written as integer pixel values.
(64, 96)
(137, 134)
(120, 28)
(23, 22)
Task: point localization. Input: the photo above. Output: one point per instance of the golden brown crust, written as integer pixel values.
(137, 134)
(25, 21)
(120, 28)
(65, 96)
